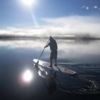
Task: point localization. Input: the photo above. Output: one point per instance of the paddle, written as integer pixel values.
(40, 55)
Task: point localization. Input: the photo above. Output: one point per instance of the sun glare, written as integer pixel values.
(28, 3)
(27, 76)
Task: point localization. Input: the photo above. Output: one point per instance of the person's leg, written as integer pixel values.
(51, 58)
(55, 58)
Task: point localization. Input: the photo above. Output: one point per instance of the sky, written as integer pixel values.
(64, 16)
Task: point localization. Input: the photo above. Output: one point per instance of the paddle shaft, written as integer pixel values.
(41, 54)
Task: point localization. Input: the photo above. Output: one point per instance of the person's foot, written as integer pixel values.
(55, 64)
(50, 66)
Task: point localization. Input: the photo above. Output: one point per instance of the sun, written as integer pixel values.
(29, 3)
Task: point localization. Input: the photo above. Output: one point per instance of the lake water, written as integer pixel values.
(17, 55)
(69, 50)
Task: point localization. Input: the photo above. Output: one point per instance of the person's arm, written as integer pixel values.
(47, 45)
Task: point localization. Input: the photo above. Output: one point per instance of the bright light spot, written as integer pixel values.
(95, 7)
(27, 76)
(87, 8)
(29, 3)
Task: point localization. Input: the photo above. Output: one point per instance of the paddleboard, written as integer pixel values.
(44, 66)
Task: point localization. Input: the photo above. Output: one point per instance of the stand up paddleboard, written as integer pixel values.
(44, 67)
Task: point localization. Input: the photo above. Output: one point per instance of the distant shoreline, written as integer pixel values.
(18, 37)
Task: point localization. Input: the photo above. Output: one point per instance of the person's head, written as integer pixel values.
(50, 38)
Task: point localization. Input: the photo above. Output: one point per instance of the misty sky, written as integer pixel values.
(65, 16)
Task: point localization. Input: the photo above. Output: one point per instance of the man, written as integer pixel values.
(53, 47)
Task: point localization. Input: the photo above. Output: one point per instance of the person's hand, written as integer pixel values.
(45, 46)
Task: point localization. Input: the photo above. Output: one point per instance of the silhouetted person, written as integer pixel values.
(53, 47)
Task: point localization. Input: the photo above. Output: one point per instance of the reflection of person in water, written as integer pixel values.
(53, 47)
(51, 84)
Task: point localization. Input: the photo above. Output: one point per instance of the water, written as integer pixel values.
(75, 50)
(17, 55)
